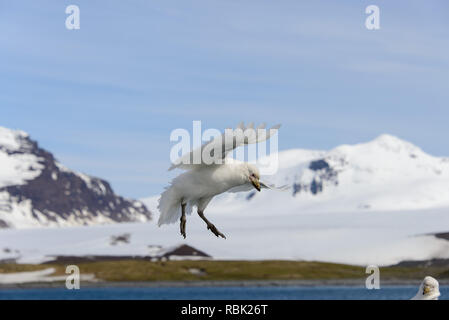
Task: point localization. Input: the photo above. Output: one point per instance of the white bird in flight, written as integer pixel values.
(205, 179)
(428, 290)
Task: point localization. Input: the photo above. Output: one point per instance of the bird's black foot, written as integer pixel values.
(182, 226)
(215, 231)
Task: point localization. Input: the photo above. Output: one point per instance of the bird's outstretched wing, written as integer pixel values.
(216, 150)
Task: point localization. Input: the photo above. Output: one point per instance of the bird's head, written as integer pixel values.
(253, 176)
(430, 285)
(428, 290)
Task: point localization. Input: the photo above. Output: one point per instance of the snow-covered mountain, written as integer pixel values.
(380, 202)
(36, 190)
(386, 173)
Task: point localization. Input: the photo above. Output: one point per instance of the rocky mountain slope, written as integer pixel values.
(36, 190)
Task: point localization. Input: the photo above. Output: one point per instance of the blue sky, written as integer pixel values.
(105, 98)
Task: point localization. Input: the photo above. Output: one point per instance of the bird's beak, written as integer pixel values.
(426, 290)
(255, 182)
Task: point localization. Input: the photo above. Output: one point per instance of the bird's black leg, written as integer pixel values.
(210, 226)
(183, 219)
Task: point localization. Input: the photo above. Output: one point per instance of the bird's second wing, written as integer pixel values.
(216, 150)
(265, 185)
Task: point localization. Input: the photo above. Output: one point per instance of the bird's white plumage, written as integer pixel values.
(428, 290)
(202, 181)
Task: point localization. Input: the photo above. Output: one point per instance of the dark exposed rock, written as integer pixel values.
(185, 250)
(324, 173)
(123, 238)
(296, 188)
(181, 251)
(250, 195)
(442, 235)
(423, 263)
(316, 186)
(318, 165)
(3, 224)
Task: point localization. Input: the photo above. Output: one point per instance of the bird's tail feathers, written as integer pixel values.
(170, 207)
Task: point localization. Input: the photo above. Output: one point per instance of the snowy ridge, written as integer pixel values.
(360, 238)
(386, 173)
(355, 212)
(379, 202)
(16, 165)
(36, 190)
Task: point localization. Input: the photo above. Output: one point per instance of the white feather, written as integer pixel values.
(197, 187)
(222, 145)
(431, 292)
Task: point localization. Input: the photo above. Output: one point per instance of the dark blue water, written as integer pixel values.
(220, 293)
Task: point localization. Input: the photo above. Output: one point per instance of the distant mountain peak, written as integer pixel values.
(389, 138)
(36, 190)
(13, 140)
(386, 173)
(385, 144)
(391, 142)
